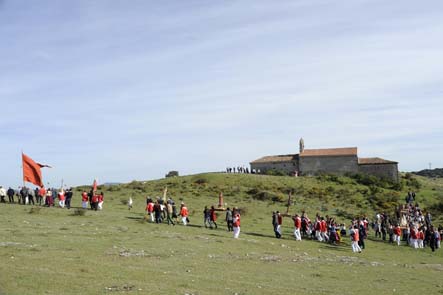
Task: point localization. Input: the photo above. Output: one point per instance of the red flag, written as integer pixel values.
(31, 171)
(94, 185)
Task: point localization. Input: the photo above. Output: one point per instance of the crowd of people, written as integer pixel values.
(241, 169)
(323, 229)
(50, 197)
(409, 225)
(160, 211)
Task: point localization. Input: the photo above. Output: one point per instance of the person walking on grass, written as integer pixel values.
(130, 203)
(94, 202)
(100, 201)
(49, 200)
(297, 227)
(236, 224)
(206, 217)
(229, 219)
(275, 224)
(184, 214)
(150, 209)
(397, 234)
(11, 194)
(213, 217)
(69, 195)
(84, 199)
(354, 239)
(2, 194)
(169, 212)
(42, 196)
(61, 198)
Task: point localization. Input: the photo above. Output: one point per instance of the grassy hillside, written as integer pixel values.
(53, 251)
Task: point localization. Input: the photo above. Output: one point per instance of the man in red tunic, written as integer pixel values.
(297, 227)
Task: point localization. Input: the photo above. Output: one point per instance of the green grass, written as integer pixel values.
(53, 251)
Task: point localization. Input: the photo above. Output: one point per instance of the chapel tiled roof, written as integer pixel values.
(371, 161)
(274, 159)
(348, 151)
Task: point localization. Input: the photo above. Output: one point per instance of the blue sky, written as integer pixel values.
(124, 90)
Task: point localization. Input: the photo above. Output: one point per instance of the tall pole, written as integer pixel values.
(23, 171)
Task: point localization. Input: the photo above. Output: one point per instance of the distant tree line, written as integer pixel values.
(433, 173)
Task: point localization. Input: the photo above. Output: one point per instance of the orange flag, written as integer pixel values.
(94, 185)
(31, 171)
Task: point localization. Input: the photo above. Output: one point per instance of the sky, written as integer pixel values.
(129, 90)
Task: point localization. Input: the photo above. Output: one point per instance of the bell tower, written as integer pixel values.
(302, 145)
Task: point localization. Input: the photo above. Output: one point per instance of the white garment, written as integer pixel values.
(355, 247)
(184, 220)
(84, 204)
(297, 234)
(62, 203)
(413, 243)
(397, 239)
(152, 216)
(318, 235)
(236, 232)
(279, 229)
(100, 205)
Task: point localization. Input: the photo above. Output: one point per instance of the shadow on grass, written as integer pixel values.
(377, 240)
(339, 247)
(259, 235)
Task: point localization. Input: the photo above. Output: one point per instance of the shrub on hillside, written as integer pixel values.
(331, 178)
(410, 181)
(276, 172)
(265, 195)
(200, 180)
(372, 180)
(114, 188)
(136, 185)
(437, 209)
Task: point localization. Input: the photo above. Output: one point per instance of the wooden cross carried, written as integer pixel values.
(288, 205)
(220, 206)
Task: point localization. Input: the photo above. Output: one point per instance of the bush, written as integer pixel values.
(201, 180)
(437, 208)
(411, 182)
(276, 172)
(265, 196)
(172, 174)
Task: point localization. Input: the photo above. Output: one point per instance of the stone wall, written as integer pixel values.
(387, 170)
(289, 167)
(328, 164)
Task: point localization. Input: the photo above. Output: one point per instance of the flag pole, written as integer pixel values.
(23, 171)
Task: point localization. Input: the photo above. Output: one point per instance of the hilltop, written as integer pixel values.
(340, 196)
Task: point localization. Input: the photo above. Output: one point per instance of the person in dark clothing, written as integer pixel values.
(23, 194)
(206, 217)
(10, 194)
(90, 196)
(275, 225)
(229, 219)
(157, 212)
(362, 236)
(37, 196)
(433, 240)
(69, 195)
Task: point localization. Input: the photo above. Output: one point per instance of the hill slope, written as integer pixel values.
(116, 250)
